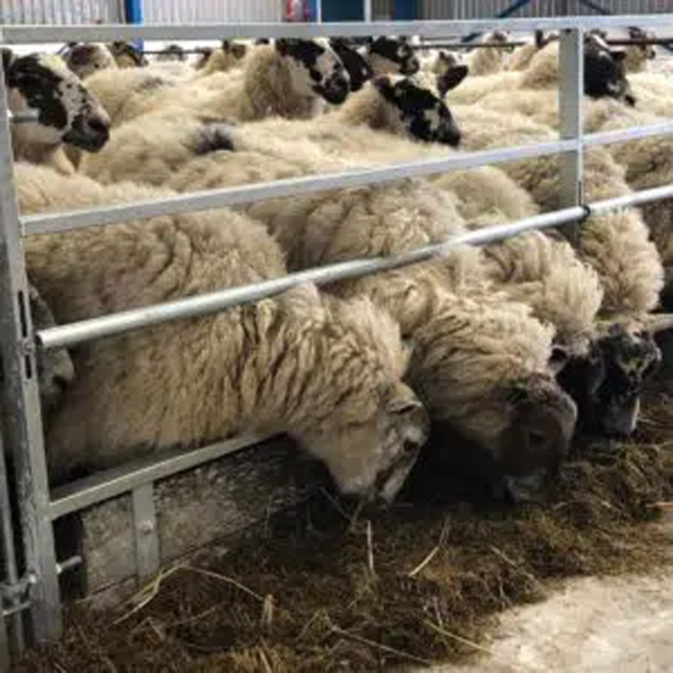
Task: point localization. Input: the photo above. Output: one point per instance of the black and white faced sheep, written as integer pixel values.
(607, 383)
(315, 68)
(605, 71)
(84, 59)
(67, 112)
(388, 55)
(401, 105)
(324, 370)
(355, 63)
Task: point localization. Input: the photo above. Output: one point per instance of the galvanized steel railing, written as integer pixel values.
(34, 585)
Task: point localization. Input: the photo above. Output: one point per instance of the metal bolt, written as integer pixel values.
(146, 527)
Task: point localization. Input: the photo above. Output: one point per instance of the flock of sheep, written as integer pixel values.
(515, 347)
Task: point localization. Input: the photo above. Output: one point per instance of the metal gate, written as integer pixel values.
(29, 582)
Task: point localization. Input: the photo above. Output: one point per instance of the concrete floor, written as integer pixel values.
(608, 625)
(590, 625)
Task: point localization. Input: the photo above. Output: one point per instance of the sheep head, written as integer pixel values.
(482, 368)
(392, 55)
(67, 111)
(423, 115)
(358, 417)
(606, 383)
(85, 59)
(314, 69)
(604, 71)
(358, 69)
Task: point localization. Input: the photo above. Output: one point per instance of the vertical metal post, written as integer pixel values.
(571, 93)
(367, 10)
(22, 421)
(12, 636)
(133, 13)
(145, 532)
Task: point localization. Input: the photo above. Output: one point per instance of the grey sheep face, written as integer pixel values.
(67, 111)
(608, 382)
(315, 69)
(85, 59)
(394, 54)
(537, 438)
(424, 115)
(398, 429)
(605, 71)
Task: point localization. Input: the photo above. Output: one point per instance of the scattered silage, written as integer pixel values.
(325, 596)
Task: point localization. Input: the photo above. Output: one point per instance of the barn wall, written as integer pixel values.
(60, 11)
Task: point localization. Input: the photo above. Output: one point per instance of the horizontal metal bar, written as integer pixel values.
(8, 612)
(520, 43)
(22, 34)
(218, 198)
(126, 321)
(69, 564)
(102, 486)
(632, 200)
(632, 133)
(22, 117)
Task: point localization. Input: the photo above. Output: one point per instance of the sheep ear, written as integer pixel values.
(226, 46)
(451, 78)
(7, 60)
(540, 40)
(558, 359)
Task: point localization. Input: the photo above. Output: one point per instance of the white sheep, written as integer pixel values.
(386, 220)
(534, 90)
(291, 78)
(324, 370)
(67, 111)
(489, 60)
(227, 56)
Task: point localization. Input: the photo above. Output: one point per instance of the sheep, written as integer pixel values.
(150, 148)
(327, 371)
(67, 111)
(391, 55)
(226, 57)
(292, 78)
(488, 60)
(638, 55)
(616, 245)
(115, 88)
(522, 56)
(386, 220)
(85, 59)
(355, 63)
(604, 76)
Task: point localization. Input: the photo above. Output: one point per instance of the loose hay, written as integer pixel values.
(416, 586)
